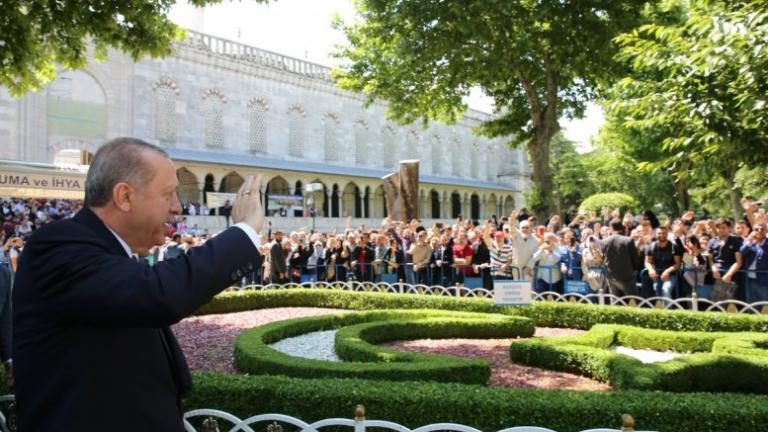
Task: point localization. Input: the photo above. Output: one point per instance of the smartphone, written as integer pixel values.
(540, 230)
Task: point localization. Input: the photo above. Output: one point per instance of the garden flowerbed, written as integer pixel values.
(207, 342)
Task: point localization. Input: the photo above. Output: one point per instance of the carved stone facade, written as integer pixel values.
(232, 102)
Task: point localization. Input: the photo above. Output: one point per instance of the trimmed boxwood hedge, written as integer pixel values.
(418, 403)
(364, 360)
(730, 362)
(415, 404)
(544, 314)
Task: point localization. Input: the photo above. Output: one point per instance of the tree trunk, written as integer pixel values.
(683, 198)
(733, 194)
(538, 148)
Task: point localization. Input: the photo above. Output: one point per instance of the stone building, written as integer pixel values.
(224, 110)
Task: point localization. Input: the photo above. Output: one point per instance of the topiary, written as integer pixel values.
(609, 200)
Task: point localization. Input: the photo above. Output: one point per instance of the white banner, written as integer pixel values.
(512, 292)
(217, 199)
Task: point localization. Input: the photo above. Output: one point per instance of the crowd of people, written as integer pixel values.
(717, 258)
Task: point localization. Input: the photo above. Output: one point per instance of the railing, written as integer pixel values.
(255, 55)
(209, 422)
(456, 282)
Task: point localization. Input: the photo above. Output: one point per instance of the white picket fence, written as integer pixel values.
(276, 422)
(686, 303)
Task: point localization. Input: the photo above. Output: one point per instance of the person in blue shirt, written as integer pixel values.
(754, 253)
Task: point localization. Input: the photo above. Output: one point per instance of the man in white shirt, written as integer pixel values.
(524, 244)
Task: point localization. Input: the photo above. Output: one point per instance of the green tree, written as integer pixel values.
(638, 155)
(570, 177)
(538, 60)
(37, 37)
(703, 86)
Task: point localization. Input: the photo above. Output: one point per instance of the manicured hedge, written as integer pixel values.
(724, 362)
(544, 314)
(415, 404)
(254, 355)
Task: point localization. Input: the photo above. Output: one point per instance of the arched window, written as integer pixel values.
(437, 155)
(361, 142)
(166, 90)
(331, 121)
(257, 119)
(214, 103)
(490, 163)
(456, 155)
(475, 165)
(388, 148)
(412, 145)
(76, 108)
(296, 130)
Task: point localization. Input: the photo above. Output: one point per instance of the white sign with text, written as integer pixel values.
(512, 292)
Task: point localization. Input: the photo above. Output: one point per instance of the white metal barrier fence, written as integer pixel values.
(602, 298)
(209, 420)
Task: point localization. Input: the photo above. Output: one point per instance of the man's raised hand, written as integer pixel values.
(248, 207)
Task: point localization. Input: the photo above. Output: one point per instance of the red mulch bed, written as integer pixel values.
(207, 343)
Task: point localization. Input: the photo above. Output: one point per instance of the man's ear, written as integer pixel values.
(123, 196)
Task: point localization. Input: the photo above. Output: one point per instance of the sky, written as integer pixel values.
(302, 29)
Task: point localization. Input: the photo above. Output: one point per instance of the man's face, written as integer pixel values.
(759, 232)
(723, 230)
(661, 234)
(525, 228)
(155, 205)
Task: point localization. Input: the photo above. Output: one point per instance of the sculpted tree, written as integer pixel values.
(538, 60)
(38, 36)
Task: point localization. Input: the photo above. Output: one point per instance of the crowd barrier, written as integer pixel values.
(212, 420)
(571, 286)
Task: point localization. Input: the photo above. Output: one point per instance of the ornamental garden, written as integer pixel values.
(716, 377)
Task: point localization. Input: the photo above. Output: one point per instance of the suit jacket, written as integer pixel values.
(621, 257)
(6, 316)
(92, 346)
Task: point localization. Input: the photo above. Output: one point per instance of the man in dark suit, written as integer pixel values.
(92, 346)
(6, 317)
(621, 260)
(278, 262)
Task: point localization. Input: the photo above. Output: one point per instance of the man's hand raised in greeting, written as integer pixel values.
(248, 207)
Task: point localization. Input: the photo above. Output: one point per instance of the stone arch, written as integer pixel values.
(189, 189)
(436, 156)
(275, 186)
(361, 142)
(208, 186)
(76, 110)
(455, 205)
(319, 199)
(331, 123)
(390, 150)
(379, 203)
(474, 206)
(491, 206)
(434, 199)
(298, 188)
(352, 201)
(296, 116)
(335, 201)
(509, 204)
(257, 124)
(214, 103)
(231, 182)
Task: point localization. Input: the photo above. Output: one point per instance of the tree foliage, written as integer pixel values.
(538, 60)
(702, 86)
(37, 37)
(608, 200)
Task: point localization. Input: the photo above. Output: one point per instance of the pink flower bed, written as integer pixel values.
(207, 343)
